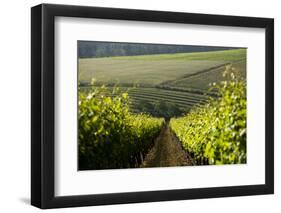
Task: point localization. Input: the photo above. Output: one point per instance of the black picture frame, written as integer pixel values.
(43, 102)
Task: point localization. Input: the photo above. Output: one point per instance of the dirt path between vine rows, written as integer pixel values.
(167, 151)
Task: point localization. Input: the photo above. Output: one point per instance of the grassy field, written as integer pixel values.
(166, 83)
(144, 72)
(225, 55)
(153, 69)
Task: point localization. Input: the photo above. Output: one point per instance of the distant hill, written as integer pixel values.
(96, 49)
(160, 69)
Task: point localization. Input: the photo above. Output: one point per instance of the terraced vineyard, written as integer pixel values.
(184, 100)
(164, 84)
(148, 99)
(200, 80)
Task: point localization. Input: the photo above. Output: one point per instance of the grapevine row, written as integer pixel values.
(110, 136)
(216, 132)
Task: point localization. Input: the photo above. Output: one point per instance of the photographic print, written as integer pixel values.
(158, 105)
(148, 100)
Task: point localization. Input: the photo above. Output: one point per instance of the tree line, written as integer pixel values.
(89, 49)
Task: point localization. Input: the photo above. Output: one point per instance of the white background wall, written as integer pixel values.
(15, 105)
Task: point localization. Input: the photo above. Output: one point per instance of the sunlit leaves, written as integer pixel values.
(216, 133)
(109, 135)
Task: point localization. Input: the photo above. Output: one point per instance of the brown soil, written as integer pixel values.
(167, 151)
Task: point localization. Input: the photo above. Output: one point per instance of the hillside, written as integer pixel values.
(163, 85)
(150, 70)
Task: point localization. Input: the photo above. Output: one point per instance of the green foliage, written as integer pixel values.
(216, 132)
(166, 109)
(110, 136)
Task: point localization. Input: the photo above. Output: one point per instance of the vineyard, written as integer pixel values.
(216, 132)
(162, 110)
(198, 80)
(110, 136)
(163, 85)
